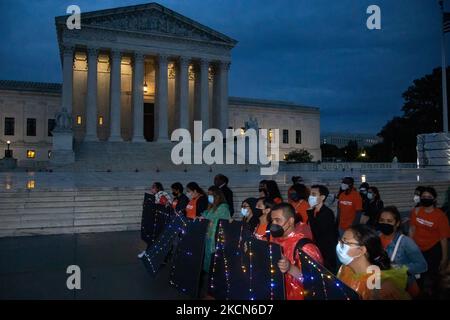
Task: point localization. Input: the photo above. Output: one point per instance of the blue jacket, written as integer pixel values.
(408, 254)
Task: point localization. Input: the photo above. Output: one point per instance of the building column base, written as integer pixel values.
(138, 139)
(115, 139)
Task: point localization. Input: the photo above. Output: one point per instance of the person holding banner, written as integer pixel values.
(180, 200)
(366, 267)
(285, 234)
(264, 205)
(198, 201)
(217, 210)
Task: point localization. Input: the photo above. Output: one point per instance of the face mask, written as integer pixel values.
(312, 200)
(257, 212)
(342, 253)
(370, 195)
(294, 196)
(385, 228)
(363, 191)
(189, 195)
(276, 230)
(175, 194)
(244, 212)
(344, 186)
(416, 199)
(425, 202)
(211, 199)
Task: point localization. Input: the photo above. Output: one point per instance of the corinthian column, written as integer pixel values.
(116, 59)
(138, 98)
(204, 93)
(91, 97)
(162, 99)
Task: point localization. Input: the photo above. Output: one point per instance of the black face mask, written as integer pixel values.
(276, 230)
(257, 212)
(426, 202)
(175, 194)
(294, 196)
(385, 228)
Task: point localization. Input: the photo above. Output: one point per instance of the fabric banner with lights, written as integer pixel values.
(154, 219)
(188, 258)
(244, 268)
(321, 284)
(158, 252)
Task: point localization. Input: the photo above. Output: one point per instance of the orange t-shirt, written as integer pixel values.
(191, 208)
(301, 209)
(430, 227)
(386, 240)
(260, 231)
(349, 204)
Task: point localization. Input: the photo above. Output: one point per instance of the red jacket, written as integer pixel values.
(294, 287)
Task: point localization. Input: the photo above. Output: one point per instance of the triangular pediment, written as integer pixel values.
(151, 19)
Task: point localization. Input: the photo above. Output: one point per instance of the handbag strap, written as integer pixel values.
(397, 244)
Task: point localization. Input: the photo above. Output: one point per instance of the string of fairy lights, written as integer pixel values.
(325, 276)
(220, 252)
(178, 224)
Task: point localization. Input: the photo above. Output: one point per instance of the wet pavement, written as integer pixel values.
(35, 268)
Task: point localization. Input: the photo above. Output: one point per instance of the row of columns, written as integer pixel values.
(161, 94)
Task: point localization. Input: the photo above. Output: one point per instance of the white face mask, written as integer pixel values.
(342, 253)
(312, 200)
(344, 186)
(189, 195)
(244, 212)
(370, 195)
(211, 199)
(416, 199)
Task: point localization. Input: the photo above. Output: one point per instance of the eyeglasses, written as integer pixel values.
(341, 241)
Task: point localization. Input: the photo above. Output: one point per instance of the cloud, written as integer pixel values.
(313, 52)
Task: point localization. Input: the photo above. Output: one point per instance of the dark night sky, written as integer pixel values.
(312, 52)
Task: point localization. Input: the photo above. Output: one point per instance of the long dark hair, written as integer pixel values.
(219, 198)
(193, 186)
(272, 189)
(375, 192)
(368, 238)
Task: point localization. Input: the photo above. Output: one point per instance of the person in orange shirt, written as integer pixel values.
(430, 230)
(349, 205)
(298, 195)
(265, 206)
(360, 251)
(272, 191)
(198, 201)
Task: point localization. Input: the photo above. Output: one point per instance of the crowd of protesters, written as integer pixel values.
(364, 233)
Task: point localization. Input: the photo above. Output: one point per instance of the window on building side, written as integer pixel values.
(9, 126)
(31, 127)
(285, 136)
(298, 136)
(31, 154)
(51, 123)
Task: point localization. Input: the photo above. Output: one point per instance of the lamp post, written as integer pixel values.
(8, 152)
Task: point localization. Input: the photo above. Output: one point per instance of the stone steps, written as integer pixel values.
(25, 212)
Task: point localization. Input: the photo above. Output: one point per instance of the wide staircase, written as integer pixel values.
(128, 157)
(38, 212)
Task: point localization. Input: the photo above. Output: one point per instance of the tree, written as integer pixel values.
(350, 151)
(299, 155)
(422, 113)
(330, 151)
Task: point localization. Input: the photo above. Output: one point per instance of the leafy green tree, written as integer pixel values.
(299, 155)
(422, 113)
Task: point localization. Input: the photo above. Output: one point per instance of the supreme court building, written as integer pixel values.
(133, 75)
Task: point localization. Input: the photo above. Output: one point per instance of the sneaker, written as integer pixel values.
(140, 255)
